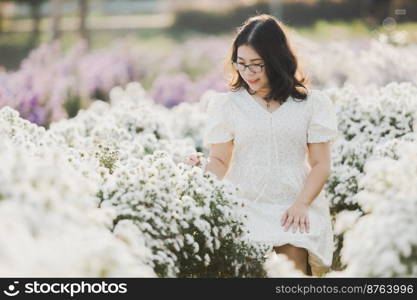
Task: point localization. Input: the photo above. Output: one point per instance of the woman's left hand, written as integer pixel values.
(297, 216)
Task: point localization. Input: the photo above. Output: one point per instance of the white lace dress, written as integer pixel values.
(270, 165)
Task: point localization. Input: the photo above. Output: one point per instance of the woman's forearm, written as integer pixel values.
(314, 183)
(216, 166)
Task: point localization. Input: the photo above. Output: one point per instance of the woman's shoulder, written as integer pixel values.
(235, 94)
(310, 94)
(320, 107)
(216, 101)
(233, 97)
(315, 97)
(318, 98)
(315, 93)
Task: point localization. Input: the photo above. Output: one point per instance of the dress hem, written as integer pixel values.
(316, 261)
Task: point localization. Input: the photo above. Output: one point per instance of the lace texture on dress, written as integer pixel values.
(323, 122)
(219, 127)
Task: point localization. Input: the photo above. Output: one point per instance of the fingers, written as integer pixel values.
(284, 218)
(303, 225)
(297, 223)
(192, 160)
(288, 223)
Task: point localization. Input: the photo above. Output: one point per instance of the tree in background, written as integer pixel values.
(2, 5)
(56, 6)
(35, 14)
(375, 11)
(56, 13)
(83, 13)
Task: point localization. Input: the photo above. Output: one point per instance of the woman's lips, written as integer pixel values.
(253, 81)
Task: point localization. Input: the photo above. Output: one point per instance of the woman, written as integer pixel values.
(271, 136)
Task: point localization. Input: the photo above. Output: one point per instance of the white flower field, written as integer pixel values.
(107, 193)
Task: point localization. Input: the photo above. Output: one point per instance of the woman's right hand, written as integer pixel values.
(192, 159)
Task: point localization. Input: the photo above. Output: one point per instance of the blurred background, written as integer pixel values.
(56, 56)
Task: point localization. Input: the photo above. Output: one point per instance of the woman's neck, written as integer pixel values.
(262, 92)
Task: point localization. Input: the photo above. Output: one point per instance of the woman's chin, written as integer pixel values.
(259, 85)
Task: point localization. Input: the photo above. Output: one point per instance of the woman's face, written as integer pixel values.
(247, 55)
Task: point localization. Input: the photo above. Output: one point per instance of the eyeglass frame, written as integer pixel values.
(235, 63)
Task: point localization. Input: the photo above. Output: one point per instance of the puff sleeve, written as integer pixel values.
(322, 126)
(219, 125)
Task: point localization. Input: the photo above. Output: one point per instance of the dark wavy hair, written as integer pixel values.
(266, 35)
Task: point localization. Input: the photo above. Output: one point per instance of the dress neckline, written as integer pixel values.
(256, 103)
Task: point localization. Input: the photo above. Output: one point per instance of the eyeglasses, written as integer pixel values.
(254, 68)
